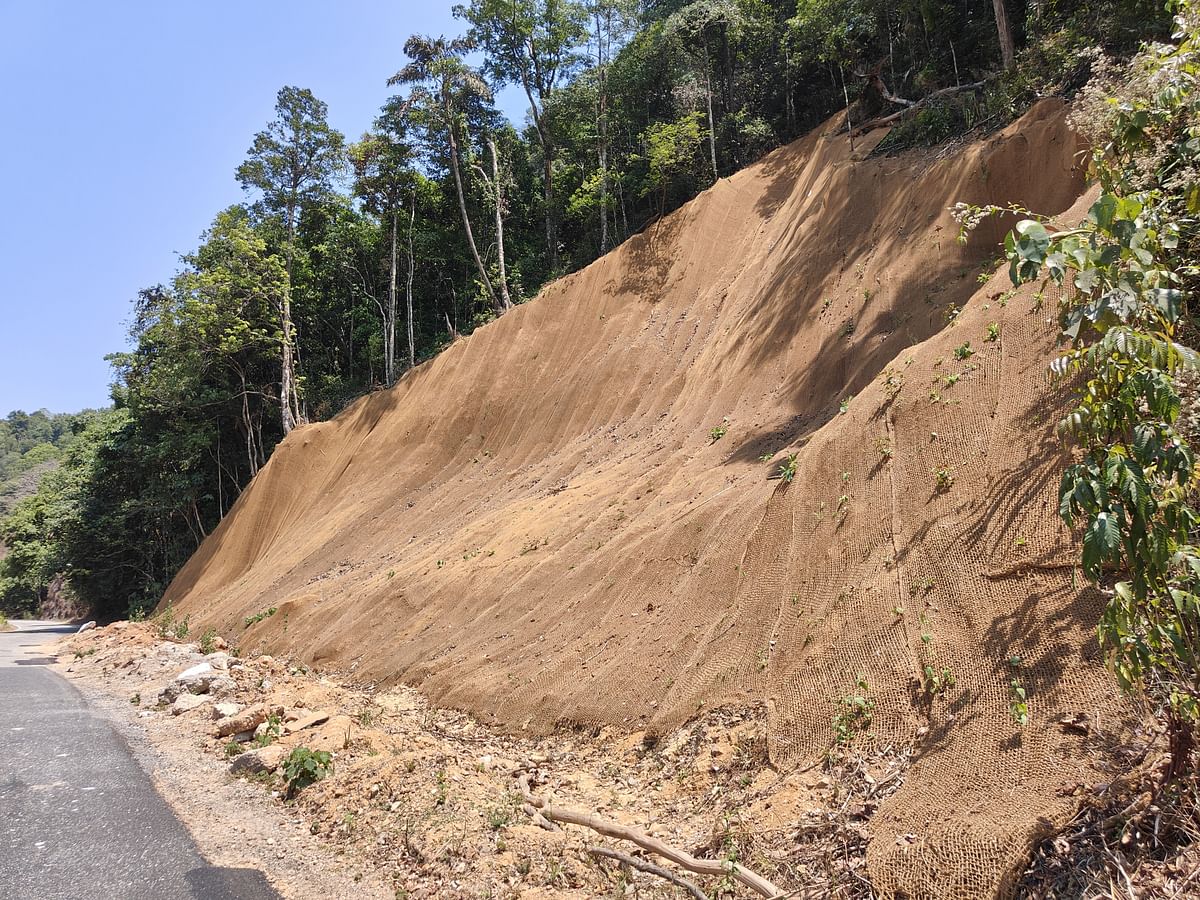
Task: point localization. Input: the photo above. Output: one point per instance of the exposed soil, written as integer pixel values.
(423, 802)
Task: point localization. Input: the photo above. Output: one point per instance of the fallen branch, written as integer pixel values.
(912, 107)
(650, 869)
(681, 858)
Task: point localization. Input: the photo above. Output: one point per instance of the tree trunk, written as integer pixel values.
(288, 399)
(539, 126)
(499, 189)
(462, 203)
(389, 324)
(712, 129)
(1007, 52)
(602, 133)
(412, 350)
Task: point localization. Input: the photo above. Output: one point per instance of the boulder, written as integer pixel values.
(196, 680)
(218, 660)
(226, 709)
(187, 702)
(262, 759)
(247, 720)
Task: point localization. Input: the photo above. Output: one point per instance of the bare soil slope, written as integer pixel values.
(537, 525)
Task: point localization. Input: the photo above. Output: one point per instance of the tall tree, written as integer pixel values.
(384, 179)
(697, 26)
(442, 84)
(533, 43)
(611, 22)
(1007, 52)
(292, 161)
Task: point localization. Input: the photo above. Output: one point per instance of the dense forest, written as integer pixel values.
(352, 260)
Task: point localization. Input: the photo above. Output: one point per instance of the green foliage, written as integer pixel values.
(303, 767)
(855, 715)
(1131, 266)
(259, 616)
(787, 468)
(718, 431)
(208, 640)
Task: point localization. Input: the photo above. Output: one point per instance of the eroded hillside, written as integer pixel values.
(541, 526)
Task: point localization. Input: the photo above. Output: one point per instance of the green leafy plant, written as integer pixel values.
(993, 332)
(271, 733)
(1128, 268)
(718, 432)
(935, 682)
(208, 641)
(258, 617)
(963, 351)
(855, 714)
(943, 480)
(303, 767)
(787, 468)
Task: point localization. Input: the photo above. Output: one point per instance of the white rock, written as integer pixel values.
(218, 660)
(226, 709)
(194, 672)
(187, 702)
(264, 759)
(86, 626)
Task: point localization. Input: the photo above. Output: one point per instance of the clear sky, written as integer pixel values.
(123, 124)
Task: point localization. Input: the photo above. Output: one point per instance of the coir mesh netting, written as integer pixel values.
(538, 526)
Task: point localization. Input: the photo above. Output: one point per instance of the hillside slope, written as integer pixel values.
(537, 526)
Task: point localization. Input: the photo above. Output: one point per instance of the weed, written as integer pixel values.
(844, 406)
(951, 380)
(951, 314)
(766, 457)
(136, 699)
(856, 713)
(715, 434)
(1018, 699)
(232, 749)
(271, 733)
(762, 659)
(943, 480)
(303, 767)
(963, 351)
(993, 332)
(884, 448)
(848, 328)
(258, 617)
(208, 641)
(935, 682)
(443, 788)
(787, 469)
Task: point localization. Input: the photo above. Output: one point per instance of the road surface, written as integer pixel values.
(79, 818)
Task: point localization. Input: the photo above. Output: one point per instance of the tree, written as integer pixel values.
(1007, 53)
(292, 162)
(611, 21)
(442, 84)
(385, 181)
(695, 26)
(533, 43)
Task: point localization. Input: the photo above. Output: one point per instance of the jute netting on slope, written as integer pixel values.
(537, 525)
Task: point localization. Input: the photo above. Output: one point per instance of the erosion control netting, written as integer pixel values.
(538, 525)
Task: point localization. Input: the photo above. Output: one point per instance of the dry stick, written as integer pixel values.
(907, 110)
(650, 869)
(681, 858)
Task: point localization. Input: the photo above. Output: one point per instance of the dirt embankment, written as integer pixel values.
(568, 519)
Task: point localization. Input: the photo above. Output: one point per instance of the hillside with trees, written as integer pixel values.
(822, 365)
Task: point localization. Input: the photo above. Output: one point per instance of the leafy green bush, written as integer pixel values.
(303, 767)
(1131, 266)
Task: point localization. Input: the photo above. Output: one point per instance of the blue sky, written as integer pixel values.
(123, 125)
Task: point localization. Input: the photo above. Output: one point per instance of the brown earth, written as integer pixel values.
(541, 526)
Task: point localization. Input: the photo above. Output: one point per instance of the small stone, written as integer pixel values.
(218, 660)
(247, 720)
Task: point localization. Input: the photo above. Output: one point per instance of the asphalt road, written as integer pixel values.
(79, 818)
